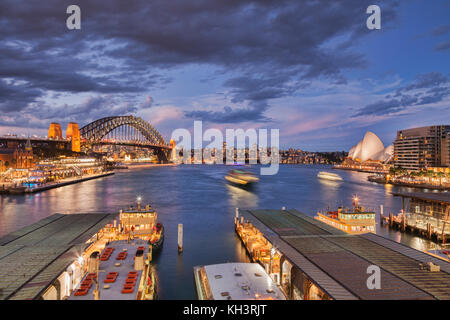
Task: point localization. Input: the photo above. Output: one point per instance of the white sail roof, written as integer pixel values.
(371, 148)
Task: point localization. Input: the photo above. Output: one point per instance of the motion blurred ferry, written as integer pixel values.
(329, 176)
(141, 222)
(241, 178)
(354, 221)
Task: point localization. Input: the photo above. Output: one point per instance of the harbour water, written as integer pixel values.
(198, 197)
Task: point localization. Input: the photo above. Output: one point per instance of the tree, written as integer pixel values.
(440, 175)
(392, 171)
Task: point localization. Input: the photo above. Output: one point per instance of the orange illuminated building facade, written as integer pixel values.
(17, 158)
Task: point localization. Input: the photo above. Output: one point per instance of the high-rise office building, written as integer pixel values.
(422, 148)
(445, 158)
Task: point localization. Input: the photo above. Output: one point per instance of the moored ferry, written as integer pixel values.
(235, 281)
(357, 220)
(142, 223)
(122, 271)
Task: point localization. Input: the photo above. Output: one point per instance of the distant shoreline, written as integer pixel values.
(148, 165)
(406, 184)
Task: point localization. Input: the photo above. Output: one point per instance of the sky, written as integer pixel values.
(311, 69)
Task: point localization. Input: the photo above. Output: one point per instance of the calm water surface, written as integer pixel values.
(199, 198)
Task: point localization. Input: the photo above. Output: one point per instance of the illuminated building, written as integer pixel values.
(73, 133)
(54, 131)
(422, 148)
(370, 148)
(17, 158)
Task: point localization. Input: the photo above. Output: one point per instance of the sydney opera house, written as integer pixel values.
(371, 148)
(368, 155)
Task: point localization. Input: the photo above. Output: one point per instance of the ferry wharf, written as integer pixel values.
(48, 259)
(311, 260)
(423, 213)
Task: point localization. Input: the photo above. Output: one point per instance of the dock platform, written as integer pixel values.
(312, 260)
(44, 260)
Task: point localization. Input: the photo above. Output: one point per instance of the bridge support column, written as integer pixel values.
(163, 155)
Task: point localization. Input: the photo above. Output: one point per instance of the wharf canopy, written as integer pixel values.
(45, 260)
(371, 148)
(312, 260)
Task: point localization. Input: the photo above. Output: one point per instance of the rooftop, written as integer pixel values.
(33, 257)
(241, 281)
(337, 262)
(443, 197)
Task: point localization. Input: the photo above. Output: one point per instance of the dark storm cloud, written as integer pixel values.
(15, 96)
(443, 46)
(441, 30)
(91, 108)
(426, 88)
(270, 48)
(255, 112)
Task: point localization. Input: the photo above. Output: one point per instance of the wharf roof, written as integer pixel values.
(442, 197)
(241, 281)
(337, 262)
(33, 257)
(59, 229)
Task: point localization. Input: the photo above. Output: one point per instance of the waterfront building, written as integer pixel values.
(425, 213)
(370, 148)
(21, 157)
(445, 158)
(422, 148)
(368, 155)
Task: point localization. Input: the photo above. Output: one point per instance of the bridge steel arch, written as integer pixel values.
(96, 130)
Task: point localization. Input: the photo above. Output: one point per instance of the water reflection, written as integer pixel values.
(199, 198)
(239, 197)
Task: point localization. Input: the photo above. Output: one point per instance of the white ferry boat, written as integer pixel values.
(329, 176)
(235, 281)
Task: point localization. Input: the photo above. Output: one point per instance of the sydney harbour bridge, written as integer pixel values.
(117, 130)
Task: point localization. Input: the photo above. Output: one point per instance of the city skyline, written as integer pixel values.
(313, 71)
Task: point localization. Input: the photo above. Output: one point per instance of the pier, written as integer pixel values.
(48, 259)
(428, 215)
(381, 179)
(52, 185)
(311, 260)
